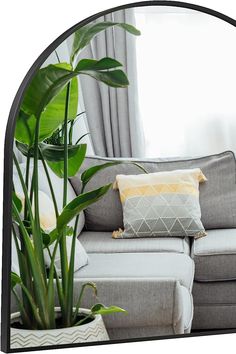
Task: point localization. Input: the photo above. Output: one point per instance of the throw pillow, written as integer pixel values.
(48, 222)
(161, 204)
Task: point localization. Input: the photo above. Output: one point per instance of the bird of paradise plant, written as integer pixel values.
(49, 107)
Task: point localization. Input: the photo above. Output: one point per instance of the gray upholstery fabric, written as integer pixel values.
(214, 316)
(140, 332)
(148, 301)
(217, 195)
(155, 306)
(220, 292)
(102, 242)
(183, 296)
(139, 265)
(215, 256)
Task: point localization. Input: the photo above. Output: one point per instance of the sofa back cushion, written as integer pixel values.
(217, 194)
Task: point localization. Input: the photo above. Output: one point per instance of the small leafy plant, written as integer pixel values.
(44, 130)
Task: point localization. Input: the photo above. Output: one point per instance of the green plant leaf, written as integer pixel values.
(49, 238)
(49, 81)
(76, 155)
(17, 202)
(54, 155)
(53, 115)
(50, 152)
(45, 85)
(78, 204)
(51, 118)
(46, 239)
(100, 309)
(102, 64)
(91, 172)
(24, 149)
(45, 95)
(25, 127)
(85, 34)
(15, 279)
(115, 78)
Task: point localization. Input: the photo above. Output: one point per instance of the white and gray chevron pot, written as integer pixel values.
(94, 331)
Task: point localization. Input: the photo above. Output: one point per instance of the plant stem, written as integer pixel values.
(77, 142)
(79, 302)
(27, 181)
(33, 306)
(28, 215)
(66, 145)
(70, 290)
(79, 323)
(63, 249)
(27, 201)
(49, 183)
(25, 319)
(71, 132)
(37, 234)
(59, 288)
(57, 56)
(25, 272)
(37, 276)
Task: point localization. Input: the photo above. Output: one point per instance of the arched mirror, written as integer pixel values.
(119, 192)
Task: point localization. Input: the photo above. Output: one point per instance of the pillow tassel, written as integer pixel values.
(115, 185)
(117, 233)
(200, 235)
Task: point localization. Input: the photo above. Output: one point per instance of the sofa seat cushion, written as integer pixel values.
(215, 256)
(139, 265)
(102, 242)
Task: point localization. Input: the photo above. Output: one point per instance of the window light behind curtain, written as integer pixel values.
(187, 78)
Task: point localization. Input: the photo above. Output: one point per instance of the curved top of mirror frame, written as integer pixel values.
(41, 59)
(46, 53)
(10, 135)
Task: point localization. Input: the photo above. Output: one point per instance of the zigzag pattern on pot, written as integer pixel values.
(83, 335)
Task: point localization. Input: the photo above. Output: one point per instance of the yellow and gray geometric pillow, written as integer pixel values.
(161, 204)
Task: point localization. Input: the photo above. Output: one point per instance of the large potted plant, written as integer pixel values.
(43, 132)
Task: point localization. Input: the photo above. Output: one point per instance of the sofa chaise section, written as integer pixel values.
(215, 256)
(214, 289)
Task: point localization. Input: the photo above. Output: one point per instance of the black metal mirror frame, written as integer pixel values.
(8, 170)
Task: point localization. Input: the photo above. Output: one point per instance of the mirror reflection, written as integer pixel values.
(124, 182)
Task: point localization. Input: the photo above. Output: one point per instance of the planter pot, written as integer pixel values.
(93, 331)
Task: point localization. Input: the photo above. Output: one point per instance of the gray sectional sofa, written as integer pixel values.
(169, 285)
